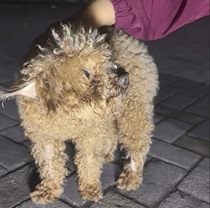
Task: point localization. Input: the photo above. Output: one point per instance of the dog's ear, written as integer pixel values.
(45, 88)
(25, 89)
(49, 90)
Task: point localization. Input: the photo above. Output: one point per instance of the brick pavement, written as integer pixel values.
(176, 173)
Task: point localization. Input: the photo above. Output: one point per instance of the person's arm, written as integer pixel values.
(145, 19)
(98, 13)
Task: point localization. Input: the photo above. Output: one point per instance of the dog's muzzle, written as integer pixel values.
(119, 82)
(123, 80)
(123, 77)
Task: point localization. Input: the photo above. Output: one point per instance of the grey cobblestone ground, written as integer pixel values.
(176, 173)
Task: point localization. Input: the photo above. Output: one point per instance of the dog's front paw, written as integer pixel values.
(45, 194)
(129, 180)
(91, 192)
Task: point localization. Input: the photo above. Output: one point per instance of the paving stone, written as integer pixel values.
(170, 129)
(185, 72)
(70, 151)
(204, 102)
(6, 76)
(158, 180)
(177, 200)
(164, 82)
(7, 82)
(158, 118)
(10, 110)
(198, 110)
(168, 78)
(179, 114)
(162, 95)
(184, 83)
(196, 183)
(174, 155)
(71, 194)
(202, 88)
(115, 200)
(187, 117)
(163, 110)
(14, 188)
(201, 131)
(186, 92)
(15, 133)
(178, 101)
(30, 204)
(6, 122)
(109, 175)
(201, 77)
(148, 158)
(3, 171)
(13, 156)
(193, 94)
(27, 144)
(194, 144)
(207, 83)
(171, 90)
(1, 87)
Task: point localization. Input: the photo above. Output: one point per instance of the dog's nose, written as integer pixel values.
(123, 80)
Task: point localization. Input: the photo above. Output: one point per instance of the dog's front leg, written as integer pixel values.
(89, 161)
(50, 158)
(135, 128)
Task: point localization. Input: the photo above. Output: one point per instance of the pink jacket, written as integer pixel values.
(154, 19)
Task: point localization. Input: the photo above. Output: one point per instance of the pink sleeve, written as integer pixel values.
(154, 19)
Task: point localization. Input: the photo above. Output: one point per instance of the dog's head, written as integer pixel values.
(76, 68)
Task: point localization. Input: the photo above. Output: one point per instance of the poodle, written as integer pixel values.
(95, 89)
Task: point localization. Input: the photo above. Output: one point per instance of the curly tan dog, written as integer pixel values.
(78, 88)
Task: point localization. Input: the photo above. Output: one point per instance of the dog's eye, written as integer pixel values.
(86, 73)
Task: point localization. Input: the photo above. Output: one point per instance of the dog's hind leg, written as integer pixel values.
(50, 158)
(111, 140)
(135, 127)
(109, 156)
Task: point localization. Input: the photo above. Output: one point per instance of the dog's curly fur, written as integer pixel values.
(77, 89)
